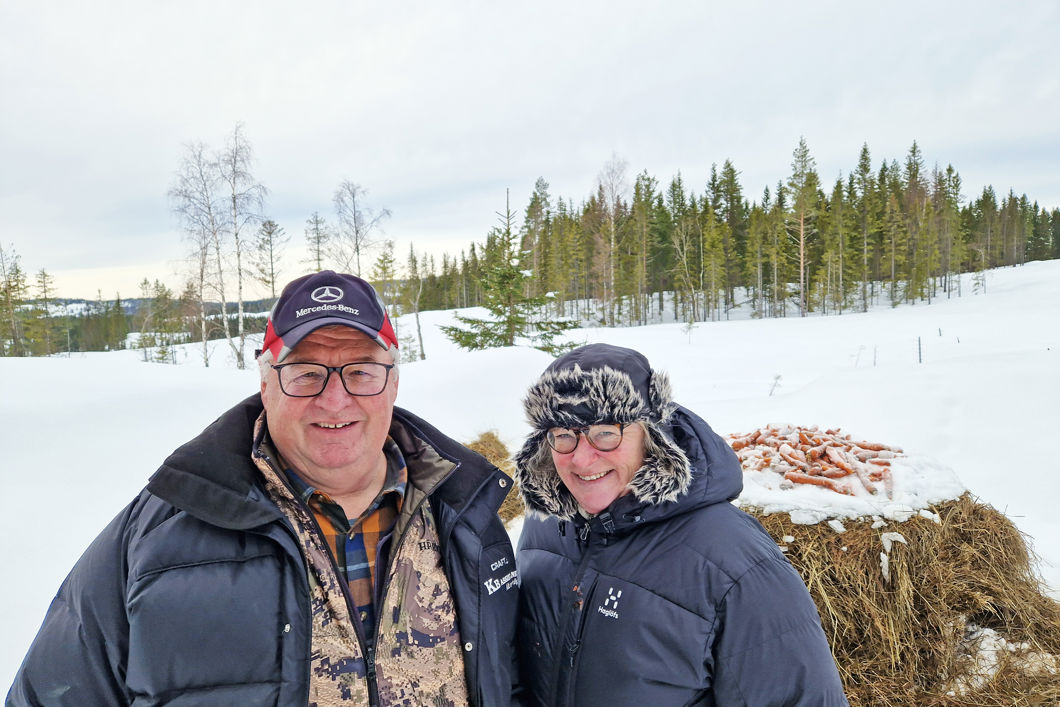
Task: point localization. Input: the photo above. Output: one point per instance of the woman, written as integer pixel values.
(641, 583)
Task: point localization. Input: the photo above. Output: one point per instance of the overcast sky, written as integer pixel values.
(436, 108)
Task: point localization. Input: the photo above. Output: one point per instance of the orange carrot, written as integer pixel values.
(823, 481)
(833, 472)
(836, 457)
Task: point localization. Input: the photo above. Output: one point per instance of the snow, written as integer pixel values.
(983, 651)
(918, 483)
(80, 435)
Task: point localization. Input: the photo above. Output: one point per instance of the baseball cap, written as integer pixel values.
(326, 298)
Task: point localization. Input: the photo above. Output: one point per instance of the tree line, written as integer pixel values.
(628, 255)
(34, 322)
(634, 251)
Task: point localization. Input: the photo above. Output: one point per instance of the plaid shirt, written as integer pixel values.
(355, 543)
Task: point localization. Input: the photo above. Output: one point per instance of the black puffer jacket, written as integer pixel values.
(688, 602)
(196, 594)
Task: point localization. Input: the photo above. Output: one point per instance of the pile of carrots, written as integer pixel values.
(807, 455)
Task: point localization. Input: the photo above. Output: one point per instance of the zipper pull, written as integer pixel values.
(571, 651)
(369, 663)
(583, 534)
(608, 523)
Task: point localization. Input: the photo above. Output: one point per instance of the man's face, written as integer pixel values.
(334, 440)
(596, 478)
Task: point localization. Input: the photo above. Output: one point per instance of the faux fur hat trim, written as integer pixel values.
(568, 395)
(575, 397)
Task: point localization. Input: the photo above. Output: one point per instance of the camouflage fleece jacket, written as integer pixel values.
(198, 593)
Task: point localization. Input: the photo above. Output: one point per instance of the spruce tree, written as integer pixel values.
(685, 239)
(644, 235)
(41, 327)
(535, 237)
(865, 185)
(265, 256)
(803, 183)
(896, 243)
(13, 295)
(513, 315)
(318, 236)
(732, 212)
(714, 266)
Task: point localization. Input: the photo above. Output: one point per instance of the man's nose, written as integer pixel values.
(334, 394)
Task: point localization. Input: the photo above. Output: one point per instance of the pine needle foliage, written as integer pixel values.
(514, 315)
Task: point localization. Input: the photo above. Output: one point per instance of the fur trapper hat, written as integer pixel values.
(593, 384)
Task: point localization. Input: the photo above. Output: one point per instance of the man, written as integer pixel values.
(314, 545)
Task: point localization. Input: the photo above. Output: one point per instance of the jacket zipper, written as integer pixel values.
(564, 656)
(474, 687)
(390, 557)
(367, 652)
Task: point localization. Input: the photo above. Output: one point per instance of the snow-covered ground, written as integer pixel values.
(80, 435)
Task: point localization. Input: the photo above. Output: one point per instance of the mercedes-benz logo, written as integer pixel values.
(326, 295)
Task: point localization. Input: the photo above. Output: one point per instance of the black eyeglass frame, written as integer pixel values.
(580, 432)
(334, 369)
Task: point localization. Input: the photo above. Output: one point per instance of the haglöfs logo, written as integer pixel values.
(326, 294)
(612, 602)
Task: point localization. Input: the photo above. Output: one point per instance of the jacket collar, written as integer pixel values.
(213, 477)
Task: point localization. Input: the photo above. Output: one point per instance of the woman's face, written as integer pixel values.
(597, 478)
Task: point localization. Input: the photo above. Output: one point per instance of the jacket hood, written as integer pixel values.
(711, 474)
(602, 383)
(212, 476)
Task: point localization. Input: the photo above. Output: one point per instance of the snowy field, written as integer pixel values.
(81, 435)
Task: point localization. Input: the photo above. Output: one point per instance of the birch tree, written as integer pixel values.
(411, 292)
(244, 200)
(194, 198)
(357, 225)
(613, 187)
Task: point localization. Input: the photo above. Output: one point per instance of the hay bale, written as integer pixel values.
(961, 580)
(490, 446)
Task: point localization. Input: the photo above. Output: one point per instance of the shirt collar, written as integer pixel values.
(397, 476)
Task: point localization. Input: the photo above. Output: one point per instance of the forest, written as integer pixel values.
(894, 233)
(634, 251)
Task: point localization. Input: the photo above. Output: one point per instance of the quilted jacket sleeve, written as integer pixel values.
(78, 656)
(771, 649)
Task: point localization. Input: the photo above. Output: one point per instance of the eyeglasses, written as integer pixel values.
(604, 438)
(306, 380)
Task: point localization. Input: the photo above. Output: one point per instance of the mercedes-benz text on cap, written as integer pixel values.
(326, 298)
